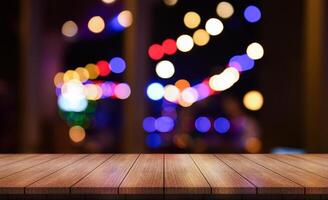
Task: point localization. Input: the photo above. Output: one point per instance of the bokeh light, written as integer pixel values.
(214, 26)
(71, 104)
(103, 68)
(156, 52)
(107, 89)
(69, 29)
(169, 46)
(182, 84)
(108, 1)
(59, 79)
(222, 125)
(189, 96)
(253, 145)
(255, 51)
(155, 91)
(203, 90)
(185, 43)
(92, 70)
(153, 140)
(191, 19)
(201, 37)
(252, 14)
(93, 91)
(122, 91)
(202, 124)
(171, 93)
(96, 24)
(148, 124)
(165, 69)
(83, 74)
(241, 62)
(77, 134)
(71, 75)
(224, 9)
(253, 100)
(170, 2)
(125, 18)
(225, 80)
(164, 124)
(117, 65)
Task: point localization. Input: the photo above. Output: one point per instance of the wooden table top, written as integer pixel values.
(164, 175)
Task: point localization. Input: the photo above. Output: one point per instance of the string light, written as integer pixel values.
(214, 26)
(156, 52)
(96, 24)
(224, 9)
(201, 37)
(252, 14)
(253, 100)
(77, 134)
(185, 43)
(171, 93)
(125, 18)
(155, 91)
(122, 91)
(191, 20)
(255, 51)
(69, 29)
(165, 69)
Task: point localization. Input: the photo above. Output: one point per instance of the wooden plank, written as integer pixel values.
(266, 181)
(182, 176)
(222, 179)
(313, 184)
(11, 158)
(16, 183)
(306, 165)
(61, 181)
(107, 177)
(7, 170)
(315, 158)
(146, 176)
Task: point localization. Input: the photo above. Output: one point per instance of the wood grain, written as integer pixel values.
(315, 158)
(306, 165)
(313, 184)
(61, 181)
(222, 179)
(266, 181)
(7, 159)
(146, 176)
(182, 176)
(107, 177)
(16, 183)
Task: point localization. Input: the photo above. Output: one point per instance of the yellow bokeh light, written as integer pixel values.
(201, 37)
(170, 2)
(185, 43)
(77, 134)
(92, 70)
(59, 79)
(224, 9)
(253, 145)
(83, 74)
(125, 18)
(214, 26)
(92, 91)
(171, 93)
(71, 75)
(189, 96)
(182, 84)
(224, 80)
(96, 24)
(69, 29)
(255, 51)
(253, 100)
(191, 19)
(108, 1)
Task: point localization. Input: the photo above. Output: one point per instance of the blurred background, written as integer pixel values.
(163, 76)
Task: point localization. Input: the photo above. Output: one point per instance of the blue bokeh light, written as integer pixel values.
(153, 140)
(164, 124)
(252, 14)
(221, 125)
(202, 124)
(155, 91)
(241, 62)
(148, 124)
(114, 25)
(117, 65)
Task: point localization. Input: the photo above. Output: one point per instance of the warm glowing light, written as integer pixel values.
(182, 84)
(253, 100)
(225, 80)
(83, 74)
(191, 19)
(125, 18)
(165, 69)
(171, 93)
(224, 9)
(92, 91)
(92, 70)
(185, 43)
(201, 37)
(122, 91)
(155, 91)
(252, 14)
(169, 46)
(76, 134)
(59, 79)
(214, 26)
(253, 145)
(155, 52)
(170, 2)
(72, 97)
(189, 95)
(108, 1)
(255, 51)
(96, 24)
(69, 29)
(103, 68)
(71, 75)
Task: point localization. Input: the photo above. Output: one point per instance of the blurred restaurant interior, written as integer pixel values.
(173, 76)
